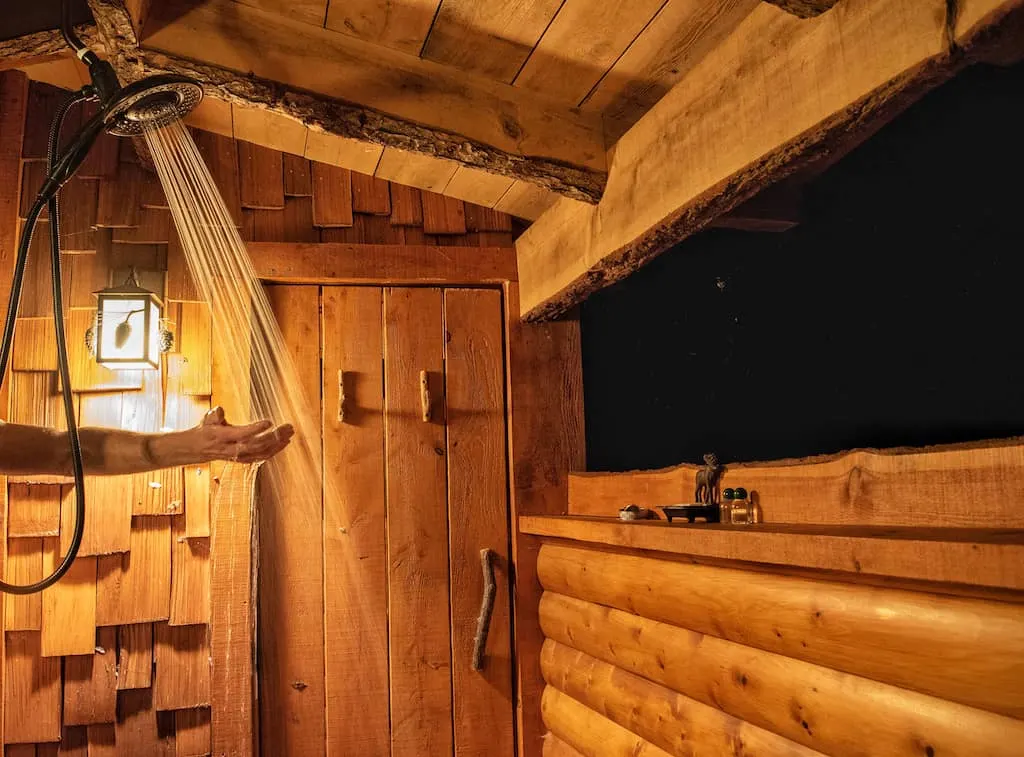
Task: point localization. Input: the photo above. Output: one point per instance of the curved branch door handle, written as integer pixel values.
(425, 399)
(483, 623)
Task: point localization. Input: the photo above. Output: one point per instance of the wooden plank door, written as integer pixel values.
(355, 540)
(478, 518)
(417, 523)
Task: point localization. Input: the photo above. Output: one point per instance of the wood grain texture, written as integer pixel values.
(344, 152)
(476, 186)
(90, 683)
(194, 343)
(402, 27)
(221, 158)
(479, 218)
(555, 747)
(180, 283)
(108, 515)
(370, 194)
(135, 656)
(743, 143)
(478, 517)
(981, 557)
(78, 210)
(23, 565)
(197, 500)
(159, 492)
(443, 215)
(190, 576)
(69, 606)
(137, 730)
(101, 740)
(406, 205)
(525, 200)
(825, 710)
(336, 263)
(420, 651)
(192, 732)
(952, 485)
(590, 733)
(269, 130)
(415, 170)
(118, 202)
(292, 717)
(182, 658)
(492, 39)
(298, 177)
(332, 195)
(32, 690)
(152, 226)
(582, 42)
(261, 172)
(43, 100)
(33, 510)
(545, 422)
(35, 345)
(355, 539)
(135, 587)
(668, 720)
(918, 641)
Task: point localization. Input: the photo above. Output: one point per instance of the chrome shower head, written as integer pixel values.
(151, 103)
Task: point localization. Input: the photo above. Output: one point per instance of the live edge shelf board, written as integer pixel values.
(980, 557)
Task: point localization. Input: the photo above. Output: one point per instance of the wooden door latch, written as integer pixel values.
(425, 399)
(341, 396)
(483, 623)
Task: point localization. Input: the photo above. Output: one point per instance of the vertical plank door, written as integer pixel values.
(355, 537)
(417, 517)
(478, 518)
(291, 588)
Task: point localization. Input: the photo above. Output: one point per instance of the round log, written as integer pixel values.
(827, 710)
(555, 747)
(966, 650)
(678, 724)
(589, 733)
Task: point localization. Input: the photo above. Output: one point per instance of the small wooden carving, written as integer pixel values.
(707, 480)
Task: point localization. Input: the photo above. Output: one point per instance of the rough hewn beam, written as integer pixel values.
(340, 85)
(779, 95)
(42, 47)
(804, 8)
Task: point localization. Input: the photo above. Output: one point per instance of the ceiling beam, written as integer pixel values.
(777, 96)
(804, 8)
(43, 47)
(343, 86)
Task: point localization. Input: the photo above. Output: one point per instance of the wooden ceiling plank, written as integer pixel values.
(263, 127)
(525, 200)
(416, 170)
(584, 41)
(307, 11)
(682, 33)
(478, 187)
(492, 39)
(212, 115)
(401, 26)
(343, 152)
(342, 85)
(749, 114)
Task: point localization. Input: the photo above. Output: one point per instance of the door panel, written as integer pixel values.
(355, 560)
(417, 517)
(478, 518)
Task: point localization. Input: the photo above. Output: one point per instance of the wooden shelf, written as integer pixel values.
(979, 557)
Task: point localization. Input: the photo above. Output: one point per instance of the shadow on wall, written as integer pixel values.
(890, 317)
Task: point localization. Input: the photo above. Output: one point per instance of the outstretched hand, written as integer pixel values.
(219, 440)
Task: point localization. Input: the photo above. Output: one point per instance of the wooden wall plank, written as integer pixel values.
(33, 510)
(493, 39)
(190, 576)
(78, 208)
(69, 606)
(585, 730)
(108, 515)
(298, 177)
(35, 345)
(555, 747)
(180, 283)
(135, 656)
(159, 492)
(291, 539)
(135, 587)
(212, 115)
(370, 194)
(420, 652)
(221, 157)
(332, 195)
(32, 691)
(298, 220)
(194, 343)
(406, 205)
(101, 740)
(182, 657)
(101, 163)
(137, 729)
(366, 229)
(402, 27)
(90, 683)
(43, 100)
(479, 218)
(74, 742)
(118, 204)
(33, 174)
(152, 226)
(261, 171)
(443, 215)
(192, 732)
(197, 500)
(23, 565)
(478, 507)
(355, 541)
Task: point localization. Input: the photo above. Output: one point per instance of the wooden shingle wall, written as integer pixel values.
(116, 659)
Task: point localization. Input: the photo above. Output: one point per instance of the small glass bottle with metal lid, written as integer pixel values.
(740, 506)
(725, 509)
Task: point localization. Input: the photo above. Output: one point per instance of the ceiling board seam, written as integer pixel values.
(327, 13)
(430, 29)
(625, 50)
(537, 43)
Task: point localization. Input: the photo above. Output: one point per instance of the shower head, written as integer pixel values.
(150, 103)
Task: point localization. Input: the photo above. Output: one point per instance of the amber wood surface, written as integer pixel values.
(135, 586)
(420, 635)
(588, 732)
(441, 111)
(804, 8)
(964, 650)
(221, 157)
(90, 683)
(881, 55)
(406, 206)
(402, 27)
(33, 510)
(370, 195)
(182, 657)
(443, 215)
(69, 606)
(13, 104)
(338, 263)
(291, 545)
(555, 747)
(23, 564)
(262, 176)
(192, 732)
(680, 725)
(824, 709)
(332, 195)
(355, 535)
(31, 691)
(954, 485)
(478, 517)
(545, 422)
(190, 576)
(137, 730)
(271, 130)
(980, 557)
(135, 656)
(298, 181)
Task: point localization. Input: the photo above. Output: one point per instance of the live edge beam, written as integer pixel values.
(339, 85)
(778, 95)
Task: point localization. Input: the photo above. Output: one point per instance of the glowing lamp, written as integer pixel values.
(128, 334)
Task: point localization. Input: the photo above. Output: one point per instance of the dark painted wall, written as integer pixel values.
(892, 316)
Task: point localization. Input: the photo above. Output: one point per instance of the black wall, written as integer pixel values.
(892, 316)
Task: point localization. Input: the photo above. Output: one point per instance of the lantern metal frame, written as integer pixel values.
(130, 290)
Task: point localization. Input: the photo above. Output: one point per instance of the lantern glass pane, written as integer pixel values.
(122, 329)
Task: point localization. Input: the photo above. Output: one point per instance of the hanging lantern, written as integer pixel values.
(129, 332)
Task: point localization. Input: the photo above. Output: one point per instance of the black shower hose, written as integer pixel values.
(24, 244)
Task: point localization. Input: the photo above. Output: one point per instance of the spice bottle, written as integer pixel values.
(740, 506)
(725, 509)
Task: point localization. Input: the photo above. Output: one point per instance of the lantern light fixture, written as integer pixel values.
(129, 332)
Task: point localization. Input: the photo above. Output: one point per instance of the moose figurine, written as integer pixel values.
(707, 480)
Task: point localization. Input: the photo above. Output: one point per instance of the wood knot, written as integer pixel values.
(300, 686)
